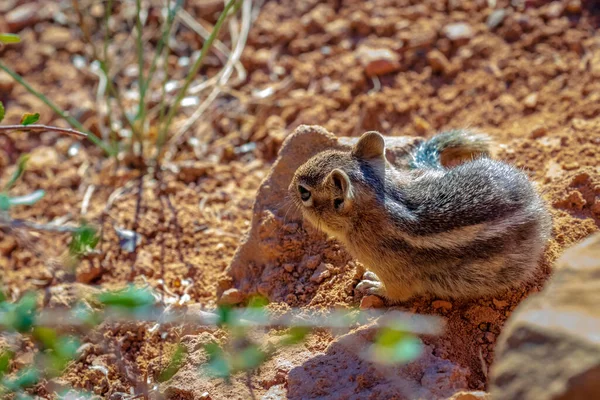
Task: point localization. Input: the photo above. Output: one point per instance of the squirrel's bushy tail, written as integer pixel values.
(445, 148)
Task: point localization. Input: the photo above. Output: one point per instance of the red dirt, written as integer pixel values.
(532, 82)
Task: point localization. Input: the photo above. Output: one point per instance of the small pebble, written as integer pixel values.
(574, 6)
(421, 125)
(538, 132)
(495, 18)
(288, 267)
(458, 31)
(500, 303)
(531, 100)
(378, 61)
(321, 273)
(446, 305)
(371, 301)
(570, 165)
(231, 297)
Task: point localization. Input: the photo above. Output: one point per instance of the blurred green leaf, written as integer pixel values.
(258, 302)
(174, 364)
(74, 394)
(24, 313)
(217, 364)
(296, 335)
(28, 118)
(4, 202)
(2, 111)
(86, 315)
(225, 314)
(46, 336)
(24, 396)
(27, 377)
(130, 298)
(8, 38)
(83, 240)
(5, 359)
(28, 199)
(60, 350)
(64, 352)
(21, 165)
(396, 346)
(249, 358)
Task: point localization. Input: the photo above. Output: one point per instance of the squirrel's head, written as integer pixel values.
(331, 186)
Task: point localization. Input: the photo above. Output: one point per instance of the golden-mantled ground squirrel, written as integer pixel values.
(475, 229)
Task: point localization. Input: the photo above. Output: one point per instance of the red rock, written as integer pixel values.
(549, 348)
(378, 61)
(231, 297)
(458, 32)
(438, 61)
(371, 301)
(446, 305)
(22, 16)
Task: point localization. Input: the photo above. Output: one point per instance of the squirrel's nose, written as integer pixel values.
(304, 193)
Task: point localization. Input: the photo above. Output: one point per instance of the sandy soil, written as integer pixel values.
(529, 75)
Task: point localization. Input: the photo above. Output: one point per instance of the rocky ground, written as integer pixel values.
(526, 72)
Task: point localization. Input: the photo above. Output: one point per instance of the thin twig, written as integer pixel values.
(224, 75)
(86, 199)
(162, 135)
(34, 226)
(95, 139)
(42, 128)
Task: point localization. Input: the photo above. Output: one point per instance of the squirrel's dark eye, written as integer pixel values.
(337, 203)
(304, 193)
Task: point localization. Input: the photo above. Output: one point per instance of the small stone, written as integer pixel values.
(89, 272)
(446, 305)
(458, 32)
(312, 262)
(321, 273)
(554, 10)
(574, 6)
(596, 209)
(371, 301)
(7, 245)
(581, 124)
(495, 18)
(570, 166)
(22, 16)
(421, 125)
(56, 36)
(288, 267)
(538, 132)
(478, 395)
(489, 337)
(43, 158)
(595, 65)
(231, 297)
(438, 61)
(378, 61)
(500, 303)
(531, 100)
(6, 83)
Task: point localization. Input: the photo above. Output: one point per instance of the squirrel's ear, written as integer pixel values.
(371, 145)
(341, 181)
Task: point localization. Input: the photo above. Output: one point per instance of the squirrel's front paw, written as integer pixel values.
(370, 284)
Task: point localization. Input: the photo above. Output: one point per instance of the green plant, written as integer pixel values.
(396, 338)
(138, 123)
